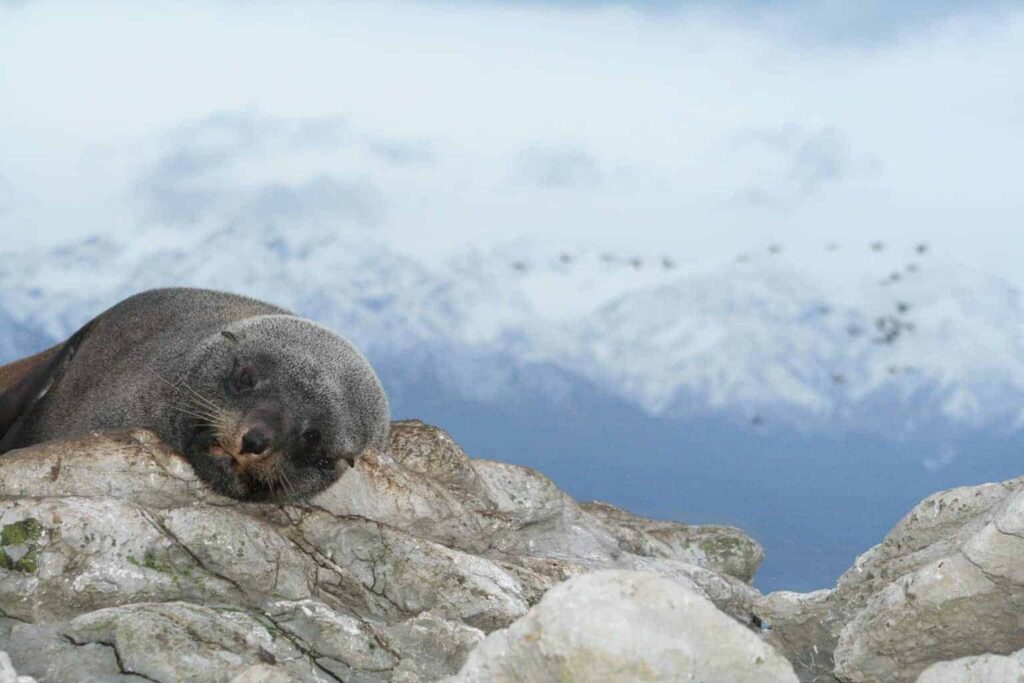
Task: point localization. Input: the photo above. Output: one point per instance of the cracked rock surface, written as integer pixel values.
(117, 564)
(946, 583)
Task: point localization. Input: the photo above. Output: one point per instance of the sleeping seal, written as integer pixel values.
(265, 405)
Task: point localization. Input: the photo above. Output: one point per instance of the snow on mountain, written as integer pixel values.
(758, 338)
(771, 339)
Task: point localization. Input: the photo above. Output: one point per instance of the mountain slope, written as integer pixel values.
(766, 341)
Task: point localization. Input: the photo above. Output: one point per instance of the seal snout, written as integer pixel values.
(247, 439)
(255, 441)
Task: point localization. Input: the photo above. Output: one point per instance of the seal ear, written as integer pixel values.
(25, 381)
(230, 336)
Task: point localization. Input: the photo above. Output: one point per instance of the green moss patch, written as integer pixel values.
(21, 532)
(19, 550)
(151, 561)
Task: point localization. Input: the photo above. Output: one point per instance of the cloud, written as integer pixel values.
(946, 454)
(205, 172)
(323, 197)
(791, 163)
(611, 126)
(864, 23)
(181, 186)
(403, 152)
(818, 159)
(558, 167)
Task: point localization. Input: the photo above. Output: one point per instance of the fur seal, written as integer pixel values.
(265, 405)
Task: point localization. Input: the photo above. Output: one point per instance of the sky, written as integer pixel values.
(695, 129)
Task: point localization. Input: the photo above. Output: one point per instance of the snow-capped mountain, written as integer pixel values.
(763, 339)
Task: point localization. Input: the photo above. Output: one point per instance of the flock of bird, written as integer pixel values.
(635, 262)
(889, 327)
(667, 263)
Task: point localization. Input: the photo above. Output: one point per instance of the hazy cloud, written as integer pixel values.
(946, 454)
(204, 172)
(601, 126)
(558, 167)
(356, 201)
(402, 152)
(792, 163)
(813, 22)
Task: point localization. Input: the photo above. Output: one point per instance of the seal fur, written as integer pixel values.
(265, 405)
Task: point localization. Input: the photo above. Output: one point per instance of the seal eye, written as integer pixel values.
(312, 438)
(246, 380)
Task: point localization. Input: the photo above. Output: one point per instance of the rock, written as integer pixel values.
(981, 669)
(43, 651)
(341, 641)
(622, 626)
(798, 625)
(946, 582)
(179, 641)
(946, 608)
(722, 549)
(7, 672)
(411, 575)
(116, 564)
(432, 647)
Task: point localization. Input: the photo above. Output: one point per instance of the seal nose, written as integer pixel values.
(255, 441)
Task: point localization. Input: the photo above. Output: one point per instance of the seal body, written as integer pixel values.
(265, 405)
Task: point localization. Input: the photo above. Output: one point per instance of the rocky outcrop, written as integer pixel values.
(117, 564)
(621, 627)
(947, 582)
(421, 564)
(723, 549)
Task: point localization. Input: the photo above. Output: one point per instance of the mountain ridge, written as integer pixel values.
(765, 341)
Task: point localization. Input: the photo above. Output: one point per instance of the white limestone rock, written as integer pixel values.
(621, 626)
(980, 669)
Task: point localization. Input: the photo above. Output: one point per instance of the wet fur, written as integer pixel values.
(160, 360)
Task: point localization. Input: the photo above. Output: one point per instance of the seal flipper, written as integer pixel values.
(25, 381)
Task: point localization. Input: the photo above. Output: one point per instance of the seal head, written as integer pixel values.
(275, 408)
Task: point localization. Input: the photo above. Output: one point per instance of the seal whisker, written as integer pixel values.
(192, 413)
(197, 399)
(204, 422)
(198, 396)
(195, 411)
(212, 413)
(286, 482)
(181, 383)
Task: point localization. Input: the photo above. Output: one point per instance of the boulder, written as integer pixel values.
(980, 669)
(623, 626)
(945, 583)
